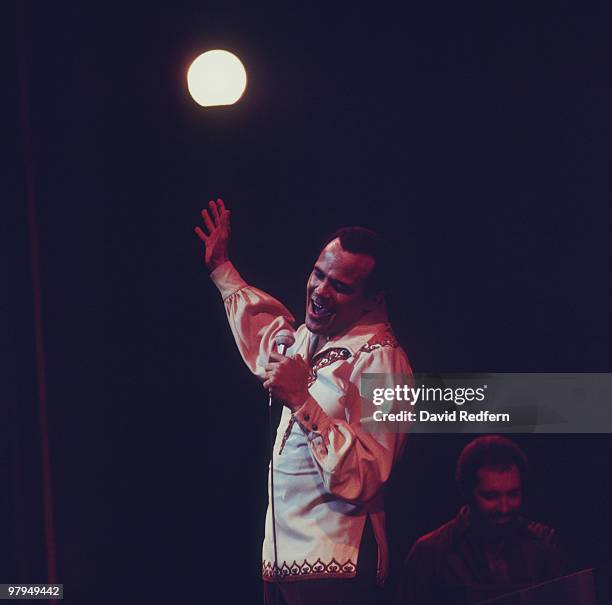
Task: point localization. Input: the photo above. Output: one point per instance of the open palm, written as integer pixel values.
(216, 238)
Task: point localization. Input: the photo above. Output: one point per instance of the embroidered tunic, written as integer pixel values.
(328, 470)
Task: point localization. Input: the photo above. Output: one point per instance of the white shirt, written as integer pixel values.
(328, 470)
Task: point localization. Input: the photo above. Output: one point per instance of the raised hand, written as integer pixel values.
(216, 242)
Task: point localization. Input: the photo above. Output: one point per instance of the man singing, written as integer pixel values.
(326, 542)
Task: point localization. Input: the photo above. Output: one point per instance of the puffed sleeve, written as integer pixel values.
(354, 463)
(254, 316)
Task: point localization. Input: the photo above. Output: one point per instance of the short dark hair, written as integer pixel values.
(360, 240)
(490, 451)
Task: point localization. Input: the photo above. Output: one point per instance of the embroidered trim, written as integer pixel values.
(325, 358)
(387, 340)
(318, 569)
(321, 360)
(286, 435)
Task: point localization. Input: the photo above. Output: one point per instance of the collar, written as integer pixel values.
(369, 325)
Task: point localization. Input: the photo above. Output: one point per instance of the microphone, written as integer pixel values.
(283, 340)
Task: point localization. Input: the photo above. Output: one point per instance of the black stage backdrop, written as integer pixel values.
(477, 140)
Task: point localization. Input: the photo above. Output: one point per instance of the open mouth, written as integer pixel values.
(319, 310)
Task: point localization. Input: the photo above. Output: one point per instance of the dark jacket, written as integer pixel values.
(463, 562)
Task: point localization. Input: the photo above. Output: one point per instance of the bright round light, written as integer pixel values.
(216, 77)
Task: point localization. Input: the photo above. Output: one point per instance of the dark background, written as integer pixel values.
(476, 139)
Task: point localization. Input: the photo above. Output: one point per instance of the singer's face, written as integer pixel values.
(335, 297)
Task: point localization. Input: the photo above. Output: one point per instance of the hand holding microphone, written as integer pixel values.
(283, 340)
(286, 377)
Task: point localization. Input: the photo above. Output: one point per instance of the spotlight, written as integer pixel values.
(216, 77)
